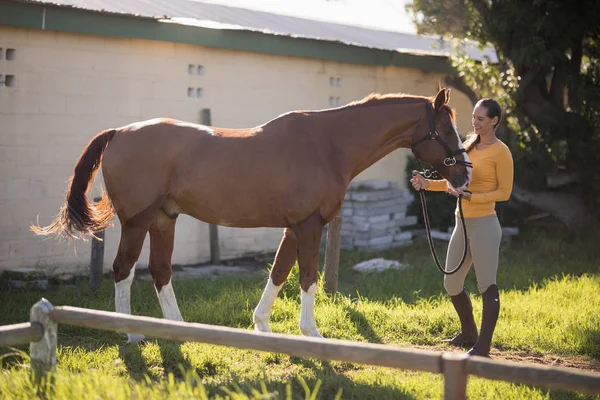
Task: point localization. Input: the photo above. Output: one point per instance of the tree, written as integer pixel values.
(547, 78)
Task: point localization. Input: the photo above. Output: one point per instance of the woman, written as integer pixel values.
(492, 181)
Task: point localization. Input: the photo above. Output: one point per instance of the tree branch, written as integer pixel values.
(558, 83)
(568, 208)
(459, 84)
(574, 69)
(576, 55)
(481, 7)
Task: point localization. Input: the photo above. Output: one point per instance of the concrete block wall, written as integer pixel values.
(69, 87)
(374, 216)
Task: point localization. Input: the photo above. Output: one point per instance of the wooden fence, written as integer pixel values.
(41, 333)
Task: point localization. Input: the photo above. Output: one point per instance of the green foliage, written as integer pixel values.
(547, 77)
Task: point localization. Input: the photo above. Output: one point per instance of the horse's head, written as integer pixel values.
(436, 142)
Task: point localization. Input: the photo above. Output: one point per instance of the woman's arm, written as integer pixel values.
(504, 175)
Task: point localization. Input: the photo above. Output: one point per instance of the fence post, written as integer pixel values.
(97, 258)
(43, 353)
(332, 254)
(454, 368)
(213, 230)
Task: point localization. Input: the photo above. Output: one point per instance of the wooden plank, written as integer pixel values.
(300, 346)
(332, 254)
(455, 375)
(213, 230)
(11, 335)
(549, 377)
(43, 351)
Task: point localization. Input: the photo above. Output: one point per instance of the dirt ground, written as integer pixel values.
(580, 363)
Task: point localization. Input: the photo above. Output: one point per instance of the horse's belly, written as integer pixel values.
(247, 214)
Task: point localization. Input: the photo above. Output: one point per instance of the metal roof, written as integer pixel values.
(217, 16)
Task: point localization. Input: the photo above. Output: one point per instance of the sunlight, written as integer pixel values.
(375, 14)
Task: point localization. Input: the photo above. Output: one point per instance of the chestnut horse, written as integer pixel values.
(291, 173)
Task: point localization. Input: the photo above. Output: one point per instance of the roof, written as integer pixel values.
(215, 16)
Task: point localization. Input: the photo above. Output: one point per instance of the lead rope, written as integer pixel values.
(428, 231)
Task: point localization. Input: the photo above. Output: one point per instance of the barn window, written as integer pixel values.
(200, 70)
(335, 81)
(1, 53)
(191, 92)
(10, 81)
(11, 54)
(191, 69)
(199, 92)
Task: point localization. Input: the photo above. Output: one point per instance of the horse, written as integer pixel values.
(292, 172)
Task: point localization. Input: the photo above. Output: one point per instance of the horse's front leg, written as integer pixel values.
(309, 234)
(284, 260)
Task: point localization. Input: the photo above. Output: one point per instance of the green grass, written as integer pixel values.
(550, 294)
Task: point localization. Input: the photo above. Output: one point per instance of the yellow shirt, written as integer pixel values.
(492, 180)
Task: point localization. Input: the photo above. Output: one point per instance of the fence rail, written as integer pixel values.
(339, 350)
(12, 335)
(456, 367)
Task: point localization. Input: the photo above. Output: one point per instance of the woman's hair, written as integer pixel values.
(493, 110)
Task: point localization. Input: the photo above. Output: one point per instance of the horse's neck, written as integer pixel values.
(370, 133)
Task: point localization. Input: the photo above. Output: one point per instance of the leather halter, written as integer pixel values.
(450, 159)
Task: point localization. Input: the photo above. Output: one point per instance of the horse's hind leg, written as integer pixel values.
(284, 260)
(309, 234)
(162, 238)
(132, 239)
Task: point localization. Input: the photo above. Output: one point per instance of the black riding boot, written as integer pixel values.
(468, 332)
(489, 317)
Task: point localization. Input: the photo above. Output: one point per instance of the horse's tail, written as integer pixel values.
(77, 216)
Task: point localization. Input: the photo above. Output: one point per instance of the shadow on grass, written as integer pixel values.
(131, 355)
(332, 380)
(172, 360)
(331, 376)
(363, 326)
(590, 339)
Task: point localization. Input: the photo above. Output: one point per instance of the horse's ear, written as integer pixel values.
(440, 99)
(447, 96)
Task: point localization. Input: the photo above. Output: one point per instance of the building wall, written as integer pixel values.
(68, 87)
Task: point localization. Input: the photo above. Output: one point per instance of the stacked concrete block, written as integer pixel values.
(374, 216)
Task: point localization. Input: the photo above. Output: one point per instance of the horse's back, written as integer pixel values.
(238, 177)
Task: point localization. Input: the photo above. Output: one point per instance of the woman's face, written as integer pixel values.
(482, 124)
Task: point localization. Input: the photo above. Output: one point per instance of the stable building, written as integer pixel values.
(69, 69)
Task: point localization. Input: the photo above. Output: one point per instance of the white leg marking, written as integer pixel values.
(308, 326)
(168, 302)
(262, 312)
(123, 302)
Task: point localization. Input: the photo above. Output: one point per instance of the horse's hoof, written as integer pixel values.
(311, 333)
(262, 327)
(135, 338)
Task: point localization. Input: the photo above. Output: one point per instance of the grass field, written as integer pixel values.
(550, 296)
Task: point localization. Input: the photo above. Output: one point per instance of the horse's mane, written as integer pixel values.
(395, 98)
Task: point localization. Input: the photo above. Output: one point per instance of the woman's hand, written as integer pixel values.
(419, 183)
(457, 192)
